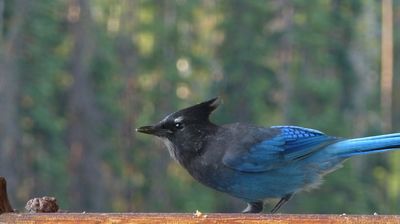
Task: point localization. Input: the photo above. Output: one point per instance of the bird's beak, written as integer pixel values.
(151, 130)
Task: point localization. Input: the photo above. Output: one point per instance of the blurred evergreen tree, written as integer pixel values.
(78, 76)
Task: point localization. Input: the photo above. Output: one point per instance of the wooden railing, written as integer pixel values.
(191, 218)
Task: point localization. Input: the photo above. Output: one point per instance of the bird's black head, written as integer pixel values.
(182, 120)
(183, 131)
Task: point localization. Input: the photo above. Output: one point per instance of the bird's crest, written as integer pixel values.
(200, 111)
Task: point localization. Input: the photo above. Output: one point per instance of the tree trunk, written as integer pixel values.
(387, 64)
(364, 62)
(87, 188)
(160, 159)
(285, 54)
(9, 130)
(128, 58)
(396, 81)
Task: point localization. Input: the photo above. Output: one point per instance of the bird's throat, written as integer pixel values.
(173, 152)
(181, 154)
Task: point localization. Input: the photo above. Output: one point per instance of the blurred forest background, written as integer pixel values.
(76, 78)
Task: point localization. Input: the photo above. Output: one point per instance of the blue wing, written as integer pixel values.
(291, 144)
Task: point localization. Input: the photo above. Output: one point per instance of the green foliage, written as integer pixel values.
(272, 62)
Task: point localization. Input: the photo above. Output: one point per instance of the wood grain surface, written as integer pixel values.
(191, 218)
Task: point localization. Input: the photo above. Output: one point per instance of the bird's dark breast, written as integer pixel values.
(211, 172)
(205, 164)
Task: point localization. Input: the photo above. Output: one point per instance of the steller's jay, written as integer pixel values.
(256, 163)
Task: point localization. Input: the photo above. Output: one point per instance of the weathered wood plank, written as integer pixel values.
(5, 205)
(191, 218)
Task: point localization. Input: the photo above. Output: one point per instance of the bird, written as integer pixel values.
(256, 163)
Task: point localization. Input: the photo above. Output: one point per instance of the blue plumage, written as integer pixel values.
(367, 145)
(290, 144)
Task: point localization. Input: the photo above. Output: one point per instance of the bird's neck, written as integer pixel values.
(193, 145)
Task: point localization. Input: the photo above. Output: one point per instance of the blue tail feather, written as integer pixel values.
(365, 145)
(377, 137)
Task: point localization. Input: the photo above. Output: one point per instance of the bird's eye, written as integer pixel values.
(178, 125)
